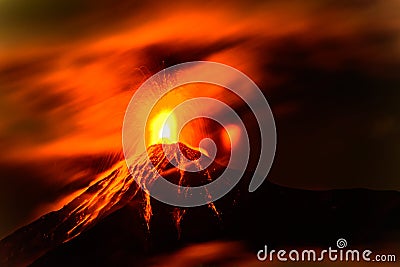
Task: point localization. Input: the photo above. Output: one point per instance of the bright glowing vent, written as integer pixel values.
(163, 128)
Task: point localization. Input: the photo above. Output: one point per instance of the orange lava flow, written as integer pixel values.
(114, 189)
(178, 216)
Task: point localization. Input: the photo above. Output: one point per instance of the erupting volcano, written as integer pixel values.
(182, 143)
(179, 150)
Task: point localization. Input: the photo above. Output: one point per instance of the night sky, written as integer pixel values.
(329, 69)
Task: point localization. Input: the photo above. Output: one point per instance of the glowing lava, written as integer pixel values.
(163, 129)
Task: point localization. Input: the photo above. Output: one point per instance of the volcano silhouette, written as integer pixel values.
(105, 225)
